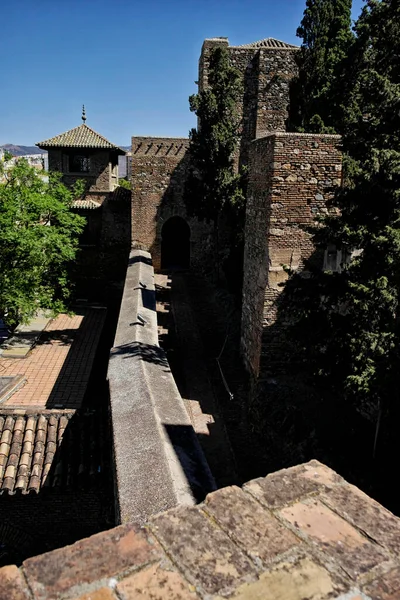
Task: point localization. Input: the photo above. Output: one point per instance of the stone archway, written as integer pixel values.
(175, 243)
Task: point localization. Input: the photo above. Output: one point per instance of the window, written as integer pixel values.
(332, 259)
(79, 163)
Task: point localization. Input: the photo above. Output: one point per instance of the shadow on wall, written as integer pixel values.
(99, 271)
(297, 417)
(180, 240)
(147, 352)
(175, 244)
(183, 440)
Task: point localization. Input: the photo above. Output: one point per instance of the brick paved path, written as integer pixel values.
(192, 377)
(58, 368)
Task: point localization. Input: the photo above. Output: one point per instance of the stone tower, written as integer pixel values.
(268, 66)
(83, 154)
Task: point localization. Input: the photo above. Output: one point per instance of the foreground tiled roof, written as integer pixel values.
(59, 449)
(268, 43)
(299, 534)
(79, 137)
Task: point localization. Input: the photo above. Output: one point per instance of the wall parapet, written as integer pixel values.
(158, 459)
(292, 180)
(321, 539)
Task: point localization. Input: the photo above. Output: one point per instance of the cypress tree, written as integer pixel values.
(215, 185)
(327, 37)
(214, 182)
(350, 320)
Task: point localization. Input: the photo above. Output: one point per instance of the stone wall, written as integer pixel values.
(36, 523)
(302, 533)
(100, 268)
(159, 170)
(267, 72)
(102, 177)
(291, 179)
(158, 459)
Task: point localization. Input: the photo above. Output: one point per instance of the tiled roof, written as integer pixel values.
(86, 203)
(79, 137)
(48, 450)
(268, 43)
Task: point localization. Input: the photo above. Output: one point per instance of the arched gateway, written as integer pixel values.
(175, 243)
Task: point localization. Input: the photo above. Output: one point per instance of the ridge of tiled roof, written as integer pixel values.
(48, 450)
(86, 203)
(268, 43)
(82, 136)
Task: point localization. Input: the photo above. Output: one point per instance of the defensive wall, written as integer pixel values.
(292, 178)
(302, 533)
(159, 171)
(158, 460)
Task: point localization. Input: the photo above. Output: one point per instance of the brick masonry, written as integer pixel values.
(160, 165)
(302, 533)
(159, 170)
(292, 178)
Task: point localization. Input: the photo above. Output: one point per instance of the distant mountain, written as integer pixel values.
(22, 150)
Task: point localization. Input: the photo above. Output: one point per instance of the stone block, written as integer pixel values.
(334, 536)
(203, 552)
(103, 555)
(386, 587)
(256, 530)
(303, 580)
(103, 593)
(156, 583)
(286, 486)
(367, 514)
(12, 584)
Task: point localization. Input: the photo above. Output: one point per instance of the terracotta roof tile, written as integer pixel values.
(79, 137)
(86, 203)
(51, 450)
(268, 43)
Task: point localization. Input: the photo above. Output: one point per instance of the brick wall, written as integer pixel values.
(36, 523)
(159, 169)
(100, 268)
(292, 177)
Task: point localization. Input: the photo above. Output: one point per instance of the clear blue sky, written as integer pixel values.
(132, 63)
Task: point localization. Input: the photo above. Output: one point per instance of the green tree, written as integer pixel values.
(38, 238)
(215, 185)
(349, 321)
(124, 183)
(214, 182)
(317, 93)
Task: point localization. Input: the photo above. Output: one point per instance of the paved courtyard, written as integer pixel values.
(57, 369)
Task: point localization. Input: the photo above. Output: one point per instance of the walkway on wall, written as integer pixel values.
(181, 339)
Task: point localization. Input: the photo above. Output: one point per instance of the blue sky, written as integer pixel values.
(132, 63)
